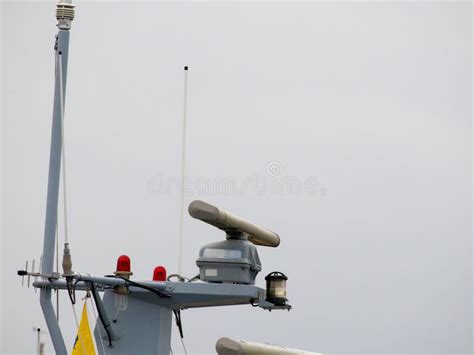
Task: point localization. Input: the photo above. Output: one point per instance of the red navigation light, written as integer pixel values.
(159, 274)
(123, 263)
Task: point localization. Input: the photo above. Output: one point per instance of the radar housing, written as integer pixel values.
(234, 260)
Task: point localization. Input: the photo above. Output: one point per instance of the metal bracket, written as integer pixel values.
(264, 304)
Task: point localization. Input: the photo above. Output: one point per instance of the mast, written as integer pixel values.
(64, 15)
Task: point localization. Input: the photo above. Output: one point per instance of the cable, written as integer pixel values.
(182, 278)
(133, 283)
(195, 278)
(78, 332)
(94, 295)
(177, 316)
(184, 347)
(177, 276)
(98, 328)
(179, 324)
(57, 212)
(71, 289)
(183, 172)
(63, 144)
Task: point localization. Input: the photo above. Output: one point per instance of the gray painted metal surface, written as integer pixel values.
(113, 281)
(183, 295)
(52, 196)
(100, 282)
(142, 328)
(145, 326)
(231, 260)
(200, 294)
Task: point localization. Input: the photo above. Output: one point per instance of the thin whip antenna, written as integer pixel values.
(183, 172)
(67, 262)
(61, 93)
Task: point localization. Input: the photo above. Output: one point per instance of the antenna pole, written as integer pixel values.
(183, 173)
(64, 15)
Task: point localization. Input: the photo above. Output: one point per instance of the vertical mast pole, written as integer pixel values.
(64, 15)
(183, 174)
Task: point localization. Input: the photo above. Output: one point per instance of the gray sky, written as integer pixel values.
(344, 127)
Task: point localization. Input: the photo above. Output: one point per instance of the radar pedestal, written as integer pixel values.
(234, 260)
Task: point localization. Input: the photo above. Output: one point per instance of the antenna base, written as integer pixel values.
(67, 261)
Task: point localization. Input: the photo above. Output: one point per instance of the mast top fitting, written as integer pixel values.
(64, 14)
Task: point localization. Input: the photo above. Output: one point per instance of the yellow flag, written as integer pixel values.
(84, 345)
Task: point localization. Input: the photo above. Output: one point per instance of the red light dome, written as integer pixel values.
(123, 264)
(159, 274)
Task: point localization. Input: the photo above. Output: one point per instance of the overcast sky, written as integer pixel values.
(344, 127)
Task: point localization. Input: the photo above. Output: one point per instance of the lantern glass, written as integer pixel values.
(276, 288)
